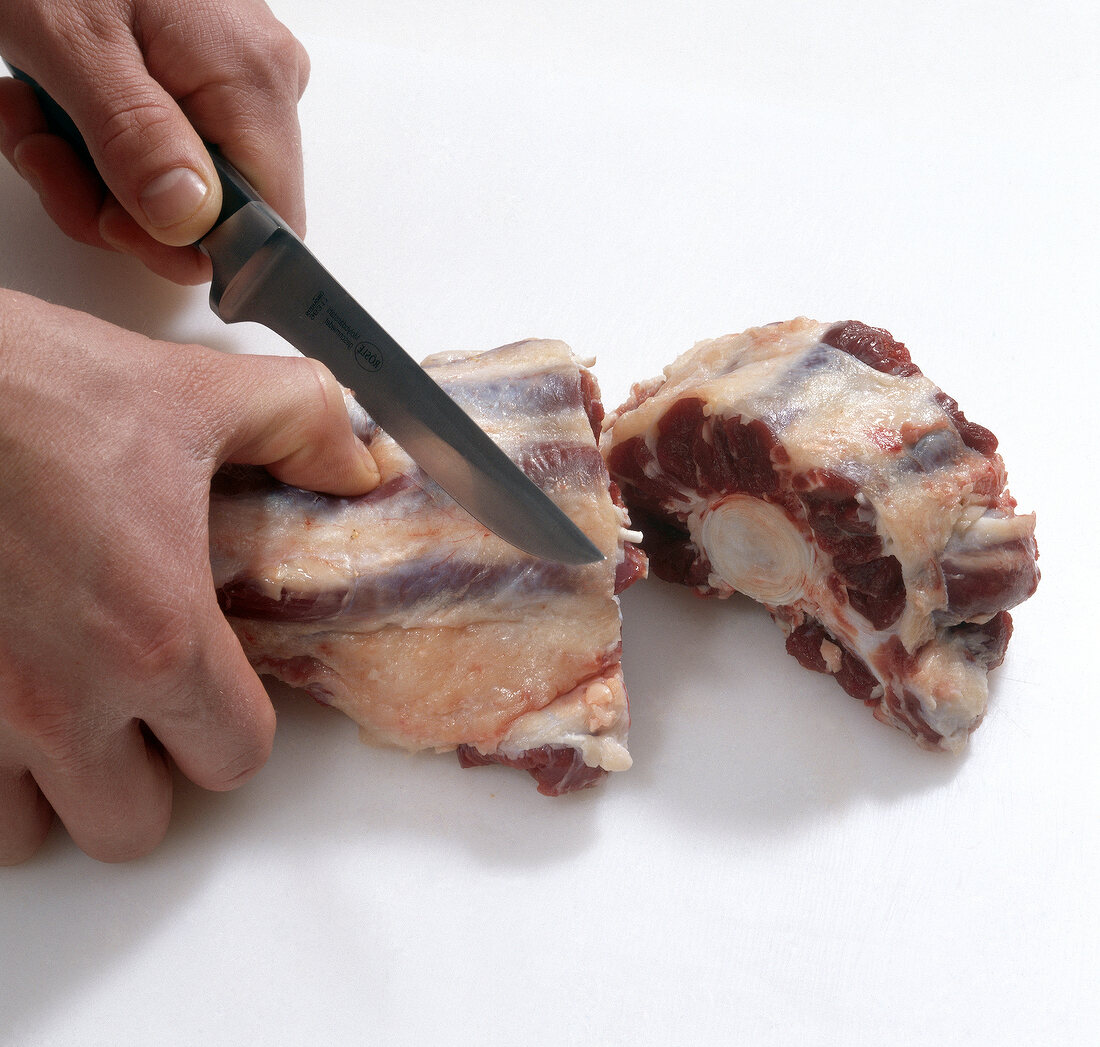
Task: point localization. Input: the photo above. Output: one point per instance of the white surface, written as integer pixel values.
(778, 867)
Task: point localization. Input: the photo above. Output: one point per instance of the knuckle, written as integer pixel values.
(268, 61)
(282, 57)
(163, 645)
(49, 721)
(243, 765)
(46, 717)
(132, 118)
(320, 393)
(286, 54)
(326, 391)
(250, 753)
(304, 70)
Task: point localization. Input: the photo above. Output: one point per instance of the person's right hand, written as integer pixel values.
(114, 655)
(145, 81)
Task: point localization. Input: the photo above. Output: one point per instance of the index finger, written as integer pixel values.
(252, 116)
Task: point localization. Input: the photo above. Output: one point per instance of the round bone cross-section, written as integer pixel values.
(755, 548)
(813, 467)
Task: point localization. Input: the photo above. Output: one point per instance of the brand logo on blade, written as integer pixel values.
(368, 356)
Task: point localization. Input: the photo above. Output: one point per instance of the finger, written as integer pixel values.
(253, 118)
(112, 791)
(220, 725)
(303, 67)
(143, 146)
(25, 816)
(289, 414)
(20, 115)
(71, 191)
(74, 195)
(182, 265)
(71, 194)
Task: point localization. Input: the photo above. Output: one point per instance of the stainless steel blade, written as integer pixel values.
(264, 273)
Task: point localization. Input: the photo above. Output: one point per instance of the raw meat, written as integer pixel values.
(814, 468)
(430, 632)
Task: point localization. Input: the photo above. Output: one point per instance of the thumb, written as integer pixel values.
(148, 154)
(289, 414)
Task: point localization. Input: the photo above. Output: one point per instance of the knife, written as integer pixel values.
(264, 273)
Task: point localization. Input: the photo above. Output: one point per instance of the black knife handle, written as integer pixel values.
(236, 190)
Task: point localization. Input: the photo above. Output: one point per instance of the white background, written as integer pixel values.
(778, 867)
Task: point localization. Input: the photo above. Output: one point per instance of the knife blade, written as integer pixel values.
(263, 272)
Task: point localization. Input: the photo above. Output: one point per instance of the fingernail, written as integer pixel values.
(172, 198)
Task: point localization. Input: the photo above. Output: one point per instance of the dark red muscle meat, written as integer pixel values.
(402, 611)
(816, 469)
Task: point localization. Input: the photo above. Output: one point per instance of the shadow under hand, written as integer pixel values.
(729, 731)
(323, 800)
(729, 734)
(323, 787)
(40, 260)
(65, 918)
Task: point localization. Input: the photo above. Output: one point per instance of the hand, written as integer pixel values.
(145, 81)
(113, 652)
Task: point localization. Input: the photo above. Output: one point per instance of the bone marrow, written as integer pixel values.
(816, 469)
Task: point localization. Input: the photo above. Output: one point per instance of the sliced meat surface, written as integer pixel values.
(429, 631)
(814, 468)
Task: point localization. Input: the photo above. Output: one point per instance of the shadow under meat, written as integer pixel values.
(730, 731)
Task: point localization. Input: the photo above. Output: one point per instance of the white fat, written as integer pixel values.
(989, 530)
(755, 549)
(301, 576)
(360, 420)
(831, 655)
(593, 719)
(954, 690)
